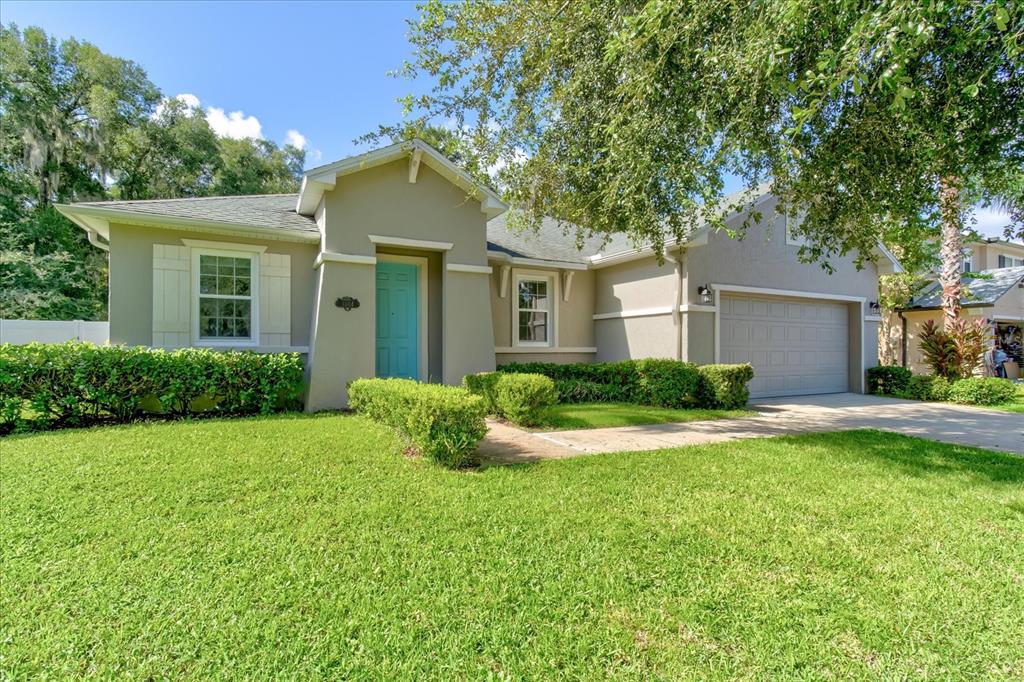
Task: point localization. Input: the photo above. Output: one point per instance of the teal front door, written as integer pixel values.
(397, 321)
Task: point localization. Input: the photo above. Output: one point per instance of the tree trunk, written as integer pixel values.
(952, 251)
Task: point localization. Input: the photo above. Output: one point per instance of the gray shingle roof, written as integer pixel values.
(261, 210)
(555, 240)
(980, 291)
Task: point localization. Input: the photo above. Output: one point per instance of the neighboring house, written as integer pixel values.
(990, 254)
(997, 296)
(396, 263)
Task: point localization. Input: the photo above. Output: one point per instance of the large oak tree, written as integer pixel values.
(871, 119)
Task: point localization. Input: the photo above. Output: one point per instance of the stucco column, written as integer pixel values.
(342, 343)
(468, 328)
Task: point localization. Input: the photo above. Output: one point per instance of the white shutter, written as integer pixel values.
(275, 295)
(171, 296)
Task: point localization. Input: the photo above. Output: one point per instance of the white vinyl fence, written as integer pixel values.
(20, 332)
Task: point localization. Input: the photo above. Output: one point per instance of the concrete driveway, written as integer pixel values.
(780, 417)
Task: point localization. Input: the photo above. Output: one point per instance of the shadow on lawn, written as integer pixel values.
(917, 457)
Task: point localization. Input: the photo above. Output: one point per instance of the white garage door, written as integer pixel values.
(797, 346)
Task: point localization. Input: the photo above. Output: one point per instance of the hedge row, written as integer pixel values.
(900, 382)
(520, 398)
(72, 384)
(652, 381)
(443, 423)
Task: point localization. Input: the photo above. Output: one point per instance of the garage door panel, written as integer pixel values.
(796, 346)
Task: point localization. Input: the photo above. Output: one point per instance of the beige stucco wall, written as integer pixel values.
(634, 285)
(381, 201)
(764, 259)
(621, 338)
(1010, 305)
(131, 279)
(573, 319)
(560, 358)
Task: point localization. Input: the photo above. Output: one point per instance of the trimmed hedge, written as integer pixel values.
(523, 398)
(519, 398)
(652, 381)
(73, 384)
(888, 379)
(444, 423)
(724, 386)
(483, 384)
(982, 391)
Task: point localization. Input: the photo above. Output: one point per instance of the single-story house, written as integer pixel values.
(997, 297)
(397, 263)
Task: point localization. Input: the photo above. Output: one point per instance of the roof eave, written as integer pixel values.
(97, 219)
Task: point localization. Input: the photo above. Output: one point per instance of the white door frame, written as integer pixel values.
(786, 293)
(421, 264)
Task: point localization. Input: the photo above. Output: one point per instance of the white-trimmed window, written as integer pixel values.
(966, 266)
(534, 310)
(224, 297)
(792, 223)
(1010, 262)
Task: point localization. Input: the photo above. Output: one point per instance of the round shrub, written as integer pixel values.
(888, 379)
(666, 383)
(940, 387)
(523, 398)
(724, 387)
(982, 391)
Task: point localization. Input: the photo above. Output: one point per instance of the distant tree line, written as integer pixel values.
(77, 124)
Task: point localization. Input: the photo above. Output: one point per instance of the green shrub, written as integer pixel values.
(443, 423)
(940, 388)
(887, 379)
(666, 383)
(621, 378)
(75, 383)
(918, 388)
(723, 386)
(584, 391)
(523, 398)
(926, 388)
(482, 384)
(982, 391)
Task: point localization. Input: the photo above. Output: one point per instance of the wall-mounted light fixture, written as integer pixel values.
(347, 303)
(707, 296)
(876, 309)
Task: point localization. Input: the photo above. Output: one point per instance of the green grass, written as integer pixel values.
(1017, 405)
(599, 415)
(309, 547)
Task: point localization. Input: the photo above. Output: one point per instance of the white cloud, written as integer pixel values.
(316, 155)
(990, 221)
(187, 98)
(235, 125)
(295, 139)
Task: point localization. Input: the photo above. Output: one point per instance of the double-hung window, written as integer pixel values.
(1010, 262)
(533, 311)
(225, 305)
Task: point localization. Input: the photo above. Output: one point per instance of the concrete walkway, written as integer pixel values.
(777, 417)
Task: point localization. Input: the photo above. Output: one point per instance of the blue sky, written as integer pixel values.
(317, 69)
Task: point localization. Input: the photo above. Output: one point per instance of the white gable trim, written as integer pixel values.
(323, 178)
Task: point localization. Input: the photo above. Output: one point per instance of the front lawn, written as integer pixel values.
(309, 547)
(598, 415)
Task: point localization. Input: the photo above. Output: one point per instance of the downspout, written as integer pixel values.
(95, 240)
(903, 339)
(679, 261)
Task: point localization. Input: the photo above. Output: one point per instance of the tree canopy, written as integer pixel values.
(629, 116)
(77, 124)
